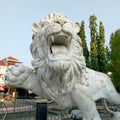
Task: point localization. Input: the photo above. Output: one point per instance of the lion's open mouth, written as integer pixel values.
(59, 46)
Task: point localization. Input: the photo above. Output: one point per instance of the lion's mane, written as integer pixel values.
(75, 72)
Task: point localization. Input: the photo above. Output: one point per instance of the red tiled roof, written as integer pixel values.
(12, 59)
(1, 63)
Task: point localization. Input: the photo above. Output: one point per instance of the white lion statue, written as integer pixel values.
(61, 73)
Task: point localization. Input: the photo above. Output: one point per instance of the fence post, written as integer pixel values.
(41, 109)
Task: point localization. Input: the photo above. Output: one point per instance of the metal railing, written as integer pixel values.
(3, 108)
(21, 109)
(25, 109)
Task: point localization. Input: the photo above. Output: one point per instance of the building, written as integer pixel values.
(10, 61)
(4, 64)
(2, 77)
(14, 92)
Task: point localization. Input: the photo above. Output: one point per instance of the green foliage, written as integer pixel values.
(100, 48)
(35, 71)
(97, 57)
(93, 44)
(84, 44)
(16, 95)
(107, 59)
(115, 58)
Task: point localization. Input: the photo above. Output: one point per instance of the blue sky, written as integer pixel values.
(17, 16)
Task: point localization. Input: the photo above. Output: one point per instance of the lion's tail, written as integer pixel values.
(116, 115)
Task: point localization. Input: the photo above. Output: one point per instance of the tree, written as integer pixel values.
(101, 48)
(115, 58)
(93, 44)
(107, 59)
(84, 44)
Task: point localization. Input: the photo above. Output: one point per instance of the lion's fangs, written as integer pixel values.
(52, 38)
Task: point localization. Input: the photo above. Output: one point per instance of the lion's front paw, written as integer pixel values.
(17, 75)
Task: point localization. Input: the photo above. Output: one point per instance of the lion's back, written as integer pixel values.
(99, 83)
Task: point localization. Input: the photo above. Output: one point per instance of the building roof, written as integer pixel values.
(1, 63)
(12, 59)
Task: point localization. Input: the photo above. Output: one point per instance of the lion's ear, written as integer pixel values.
(76, 28)
(35, 27)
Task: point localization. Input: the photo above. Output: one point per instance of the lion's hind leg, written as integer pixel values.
(82, 97)
(113, 97)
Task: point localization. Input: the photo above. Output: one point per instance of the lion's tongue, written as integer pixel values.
(59, 49)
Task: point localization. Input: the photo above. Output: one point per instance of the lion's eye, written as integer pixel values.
(58, 22)
(46, 23)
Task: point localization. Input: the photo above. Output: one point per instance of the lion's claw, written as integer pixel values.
(17, 75)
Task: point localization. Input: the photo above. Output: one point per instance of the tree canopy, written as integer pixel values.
(115, 57)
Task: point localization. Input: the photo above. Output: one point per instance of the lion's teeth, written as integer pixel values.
(52, 38)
